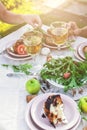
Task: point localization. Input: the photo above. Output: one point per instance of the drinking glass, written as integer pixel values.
(33, 43)
(59, 32)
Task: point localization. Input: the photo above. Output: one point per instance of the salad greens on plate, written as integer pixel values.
(65, 71)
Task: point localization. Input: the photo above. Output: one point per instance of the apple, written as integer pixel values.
(33, 86)
(83, 104)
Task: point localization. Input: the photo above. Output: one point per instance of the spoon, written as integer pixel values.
(12, 74)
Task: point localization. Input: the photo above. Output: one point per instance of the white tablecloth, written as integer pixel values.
(12, 90)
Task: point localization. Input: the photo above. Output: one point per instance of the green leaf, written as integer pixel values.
(20, 68)
(5, 65)
(84, 118)
(85, 54)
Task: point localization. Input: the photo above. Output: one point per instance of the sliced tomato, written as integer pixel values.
(21, 49)
(66, 75)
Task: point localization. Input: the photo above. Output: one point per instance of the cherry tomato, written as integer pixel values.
(21, 49)
(66, 75)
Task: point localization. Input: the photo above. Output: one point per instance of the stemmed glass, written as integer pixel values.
(59, 33)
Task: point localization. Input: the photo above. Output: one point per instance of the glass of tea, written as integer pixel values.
(33, 42)
(59, 33)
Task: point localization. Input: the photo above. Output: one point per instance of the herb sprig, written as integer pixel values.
(24, 68)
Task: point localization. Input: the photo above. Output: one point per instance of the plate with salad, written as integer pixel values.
(65, 75)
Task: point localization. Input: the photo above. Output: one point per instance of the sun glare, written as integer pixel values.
(54, 3)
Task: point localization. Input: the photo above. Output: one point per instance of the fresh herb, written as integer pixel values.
(20, 68)
(85, 54)
(84, 118)
(55, 70)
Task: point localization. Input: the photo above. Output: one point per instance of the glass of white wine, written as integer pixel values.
(59, 32)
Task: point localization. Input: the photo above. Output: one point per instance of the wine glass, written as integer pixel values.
(59, 33)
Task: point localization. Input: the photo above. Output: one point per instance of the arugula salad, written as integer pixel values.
(65, 71)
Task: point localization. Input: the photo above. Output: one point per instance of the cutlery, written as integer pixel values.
(12, 74)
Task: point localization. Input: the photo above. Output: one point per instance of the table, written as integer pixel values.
(12, 90)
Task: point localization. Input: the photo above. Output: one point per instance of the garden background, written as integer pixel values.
(17, 6)
(49, 11)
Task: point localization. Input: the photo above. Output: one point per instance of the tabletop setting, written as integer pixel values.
(43, 79)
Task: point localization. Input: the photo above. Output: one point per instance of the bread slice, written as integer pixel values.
(53, 109)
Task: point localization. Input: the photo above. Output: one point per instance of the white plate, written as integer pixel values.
(31, 123)
(5, 54)
(80, 49)
(50, 46)
(77, 56)
(77, 124)
(28, 118)
(69, 108)
(54, 46)
(10, 52)
(54, 83)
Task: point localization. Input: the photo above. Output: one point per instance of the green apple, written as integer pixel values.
(83, 104)
(33, 86)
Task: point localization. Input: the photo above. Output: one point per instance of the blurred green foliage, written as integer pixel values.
(19, 7)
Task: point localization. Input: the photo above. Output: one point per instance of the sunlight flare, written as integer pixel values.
(54, 3)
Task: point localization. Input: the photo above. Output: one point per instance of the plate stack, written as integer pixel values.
(34, 112)
(79, 53)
